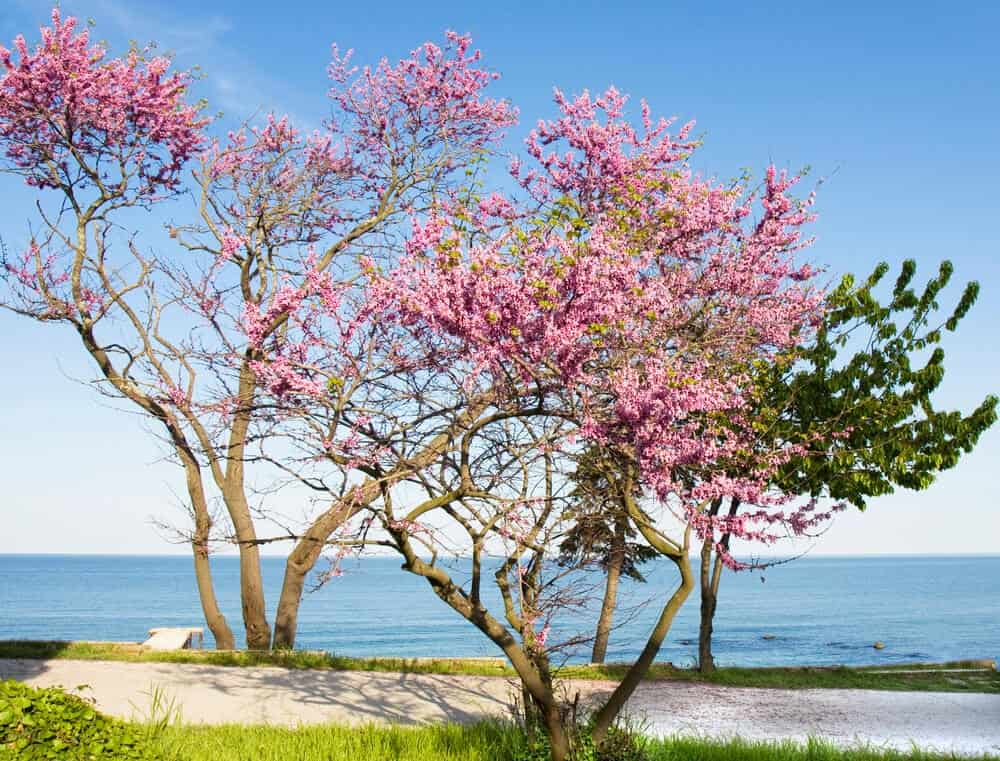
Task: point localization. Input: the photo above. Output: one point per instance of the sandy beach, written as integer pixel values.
(958, 722)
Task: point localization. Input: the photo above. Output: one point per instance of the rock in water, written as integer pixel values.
(770, 636)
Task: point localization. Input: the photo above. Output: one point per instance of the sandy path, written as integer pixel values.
(963, 723)
(966, 723)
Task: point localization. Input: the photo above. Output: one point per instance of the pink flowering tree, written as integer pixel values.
(637, 309)
(96, 136)
(281, 225)
(617, 302)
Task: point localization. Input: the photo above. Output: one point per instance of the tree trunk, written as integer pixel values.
(233, 489)
(536, 679)
(615, 563)
(286, 620)
(711, 576)
(301, 560)
(310, 546)
(706, 664)
(258, 630)
(216, 621)
(214, 618)
(543, 712)
(612, 707)
(251, 580)
(558, 737)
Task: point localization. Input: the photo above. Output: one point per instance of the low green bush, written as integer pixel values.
(50, 723)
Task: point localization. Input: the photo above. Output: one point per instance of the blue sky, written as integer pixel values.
(897, 106)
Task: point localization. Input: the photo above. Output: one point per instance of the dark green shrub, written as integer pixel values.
(50, 723)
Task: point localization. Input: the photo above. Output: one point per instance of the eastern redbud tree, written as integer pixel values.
(616, 301)
(280, 221)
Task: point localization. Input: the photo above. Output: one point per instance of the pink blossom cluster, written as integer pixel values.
(43, 283)
(433, 96)
(535, 639)
(647, 294)
(306, 310)
(408, 526)
(30, 263)
(257, 170)
(350, 446)
(602, 151)
(63, 100)
(178, 397)
(427, 113)
(516, 524)
(761, 526)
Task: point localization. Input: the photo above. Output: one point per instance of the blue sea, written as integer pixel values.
(818, 610)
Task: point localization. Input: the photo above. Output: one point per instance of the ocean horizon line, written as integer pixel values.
(376, 556)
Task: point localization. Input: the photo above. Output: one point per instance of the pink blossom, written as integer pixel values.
(125, 114)
(647, 295)
(543, 636)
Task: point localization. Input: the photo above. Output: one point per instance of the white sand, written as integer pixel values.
(958, 722)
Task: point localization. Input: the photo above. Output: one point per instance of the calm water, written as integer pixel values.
(821, 610)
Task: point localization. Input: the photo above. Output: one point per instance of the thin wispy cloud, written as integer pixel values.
(185, 37)
(231, 81)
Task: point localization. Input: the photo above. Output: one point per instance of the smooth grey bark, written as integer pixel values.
(710, 577)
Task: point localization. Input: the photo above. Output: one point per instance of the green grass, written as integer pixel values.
(444, 742)
(479, 742)
(292, 659)
(961, 676)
